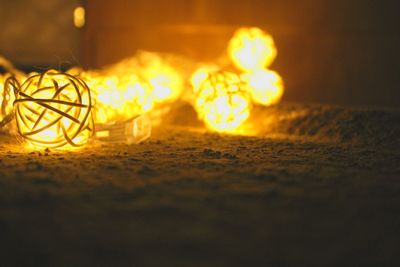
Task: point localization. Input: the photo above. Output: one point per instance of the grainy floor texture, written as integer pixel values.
(314, 186)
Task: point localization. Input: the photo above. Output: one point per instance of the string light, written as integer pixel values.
(79, 17)
(117, 97)
(132, 131)
(53, 109)
(222, 100)
(132, 87)
(266, 86)
(166, 83)
(252, 51)
(251, 48)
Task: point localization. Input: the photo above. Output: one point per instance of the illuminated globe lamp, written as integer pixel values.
(165, 81)
(222, 101)
(121, 101)
(266, 86)
(117, 96)
(251, 49)
(121, 97)
(53, 110)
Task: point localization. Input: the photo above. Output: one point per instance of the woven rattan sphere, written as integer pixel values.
(222, 101)
(251, 49)
(53, 109)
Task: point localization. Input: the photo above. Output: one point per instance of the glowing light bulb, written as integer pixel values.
(251, 49)
(117, 96)
(79, 16)
(132, 87)
(222, 100)
(266, 86)
(53, 109)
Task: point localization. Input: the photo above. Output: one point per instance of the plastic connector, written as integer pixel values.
(132, 131)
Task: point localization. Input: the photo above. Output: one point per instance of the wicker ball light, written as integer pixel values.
(223, 101)
(53, 109)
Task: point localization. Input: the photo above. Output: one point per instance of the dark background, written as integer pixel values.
(338, 52)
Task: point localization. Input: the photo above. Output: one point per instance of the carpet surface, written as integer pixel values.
(314, 186)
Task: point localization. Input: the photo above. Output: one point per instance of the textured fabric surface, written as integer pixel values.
(190, 198)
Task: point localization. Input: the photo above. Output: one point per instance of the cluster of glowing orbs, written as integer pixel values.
(166, 83)
(222, 100)
(266, 86)
(79, 17)
(251, 48)
(118, 97)
(132, 87)
(53, 109)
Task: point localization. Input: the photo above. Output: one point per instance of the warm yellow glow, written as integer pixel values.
(54, 110)
(118, 97)
(79, 17)
(251, 49)
(102, 134)
(222, 100)
(165, 82)
(148, 83)
(132, 87)
(266, 86)
(200, 75)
